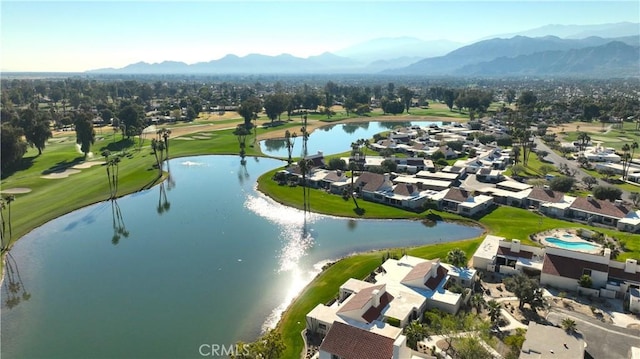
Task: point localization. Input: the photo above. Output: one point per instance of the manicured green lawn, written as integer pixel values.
(326, 285)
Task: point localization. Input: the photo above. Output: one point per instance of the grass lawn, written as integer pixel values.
(532, 169)
(623, 186)
(615, 138)
(326, 285)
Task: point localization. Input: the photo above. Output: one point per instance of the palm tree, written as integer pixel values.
(626, 149)
(494, 311)
(2, 207)
(414, 332)
(477, 301)
(158, 147)
(516, 154)
(289, 141)
(457, 258)
(569, 325)
(8, 199)
(633, 147)
(584, 138)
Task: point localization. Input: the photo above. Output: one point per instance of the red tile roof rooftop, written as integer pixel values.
(545, 195)
(457, 195)
(569, 267)
(350, 342)
(508, 252)
(596, 206)
(360, 299)
(419, 271)
(433, 282)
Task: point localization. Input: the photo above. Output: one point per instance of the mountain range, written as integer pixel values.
(548, 55)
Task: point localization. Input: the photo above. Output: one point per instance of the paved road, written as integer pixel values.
(557, 160)
(603, 340)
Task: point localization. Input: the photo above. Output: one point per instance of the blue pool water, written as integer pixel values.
(570, 245)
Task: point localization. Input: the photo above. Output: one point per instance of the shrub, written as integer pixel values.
(607, 192)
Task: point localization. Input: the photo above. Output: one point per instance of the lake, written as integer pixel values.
(332, 139)
(203, 258)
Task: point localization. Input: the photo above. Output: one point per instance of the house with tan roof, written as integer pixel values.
(348, 342)
(401, 291)
(463, 202)
(591, 209)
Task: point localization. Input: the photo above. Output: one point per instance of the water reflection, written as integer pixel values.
(163, 202)
(274, 144)
(14, 288)
(391, 125)
(353, 127)
(243, 173)
(119, 228)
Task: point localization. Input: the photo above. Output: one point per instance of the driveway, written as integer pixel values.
(603, 340)
(557, 160)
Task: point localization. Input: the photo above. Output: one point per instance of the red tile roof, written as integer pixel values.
(404, 189)
(433, 282)
(419, 271)
(458, 195)
(373, 313)
(507, 252)
(360, 299)
(369, 181)
(596, 206)
(545, 195)
(350, 342)
(569, 267)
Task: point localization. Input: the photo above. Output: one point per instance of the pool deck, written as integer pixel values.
(567, 235)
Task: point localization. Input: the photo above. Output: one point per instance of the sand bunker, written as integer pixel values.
(58, 175)
(184, 138)
(17, 190)
(88, 164)
(200, 137)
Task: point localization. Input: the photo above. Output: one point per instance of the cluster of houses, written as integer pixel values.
(367, 317)
(423, 186)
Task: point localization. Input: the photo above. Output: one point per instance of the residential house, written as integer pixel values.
(551, 203)
(463, 202)
(601, 154)
(369, 184)
(630, 222)
(348, 342)
(591, 209)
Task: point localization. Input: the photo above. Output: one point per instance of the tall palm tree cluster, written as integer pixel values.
(627, 157)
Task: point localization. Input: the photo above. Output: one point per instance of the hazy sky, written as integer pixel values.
(83, 35)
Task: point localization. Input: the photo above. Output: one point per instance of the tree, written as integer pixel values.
(35, 129)
(585, 281)
(457, 258)
(12, 147)
(274, 105)
(627, 164)
(158, 148)
(590, 111)
(268, 346)
(516, 154)
(542, 154)
(130, 121)
(470, 348)
(414, 332)
(289, 142)
(589, 181)
(607, 173)
(584, 139)
(406, 95)
(85, 134)
(477, 301)
(607, 192)
(437, 155)
(337, 164)
(516, 170)
(635, 198)
(241, 132)
(569, 325)
(562, 184)
(546, 169)
(510, 96)
(449, 97)
(494, 311)
(389, 165)
(305, 167)
(526, 289)
(249, 110)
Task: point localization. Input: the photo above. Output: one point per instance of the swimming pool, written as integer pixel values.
(571, 245)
